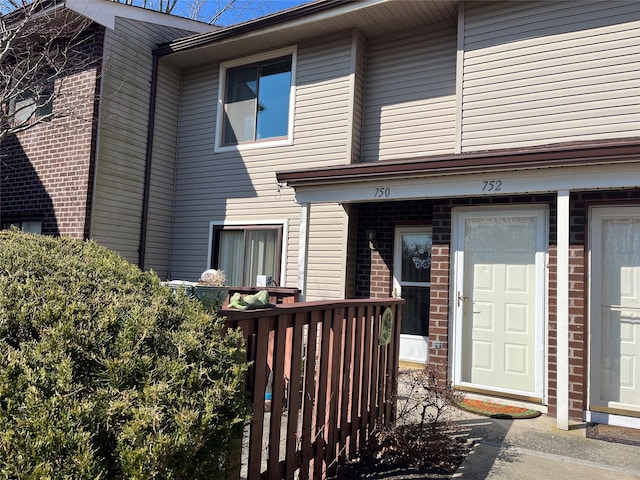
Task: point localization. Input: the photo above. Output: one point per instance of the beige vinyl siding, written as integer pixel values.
(410, 95)
(240, 186)
(122, 138)
(358, 59)
(160, 213)
(328, 228)
(550, 72)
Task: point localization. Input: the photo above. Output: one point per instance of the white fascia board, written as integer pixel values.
(104, 12)
(514, 182)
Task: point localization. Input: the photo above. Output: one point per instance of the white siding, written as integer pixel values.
(549, 72)
(410, 95)
(122, 139)
(241, 186)
(160, 213)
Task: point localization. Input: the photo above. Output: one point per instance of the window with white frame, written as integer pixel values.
(245, 252)
(256, 100)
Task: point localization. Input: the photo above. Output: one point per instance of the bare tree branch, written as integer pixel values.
(40, 46)
(209, 11)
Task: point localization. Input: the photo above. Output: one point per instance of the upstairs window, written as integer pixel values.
(244, 252)
(32, 103)
(256, 104)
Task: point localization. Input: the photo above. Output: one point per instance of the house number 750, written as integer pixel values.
(382, 192)
(491, 185)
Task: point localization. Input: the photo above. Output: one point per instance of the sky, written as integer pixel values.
(242, 10)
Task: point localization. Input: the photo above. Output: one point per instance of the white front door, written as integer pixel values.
(411, 281)
(498, 300)
(615, 309)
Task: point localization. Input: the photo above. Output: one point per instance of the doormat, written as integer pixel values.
(610, 433)
(496, 410)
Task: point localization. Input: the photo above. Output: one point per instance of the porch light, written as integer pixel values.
(371, 236)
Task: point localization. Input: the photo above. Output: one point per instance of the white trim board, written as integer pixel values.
(512, 182)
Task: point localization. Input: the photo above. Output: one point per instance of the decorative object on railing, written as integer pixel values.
(386, 326)
(215, 278)
(209, 290)
(249, 302)
(277, 295)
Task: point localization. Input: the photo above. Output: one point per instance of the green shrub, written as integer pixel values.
(104, 373)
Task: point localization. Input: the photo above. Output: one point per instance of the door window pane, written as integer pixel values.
(415, 313)
(413, 274)
(416, 258)
(620, 312)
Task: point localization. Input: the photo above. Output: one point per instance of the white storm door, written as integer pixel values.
(615, 309)
(412, 281)
(499, 300)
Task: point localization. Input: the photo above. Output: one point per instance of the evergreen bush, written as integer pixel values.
(104, 373)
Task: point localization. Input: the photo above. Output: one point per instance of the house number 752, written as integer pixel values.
(491, 185)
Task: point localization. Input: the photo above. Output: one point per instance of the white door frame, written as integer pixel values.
(416, 343)
(596, 215)
(457, 267)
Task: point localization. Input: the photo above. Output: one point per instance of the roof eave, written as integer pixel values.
(301, 12)
(512, 159)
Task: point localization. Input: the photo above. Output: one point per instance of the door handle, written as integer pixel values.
(461, 298)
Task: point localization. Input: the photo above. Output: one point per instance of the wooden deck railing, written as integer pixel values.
(331, 380)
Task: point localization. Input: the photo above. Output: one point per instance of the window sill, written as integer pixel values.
(284, 142)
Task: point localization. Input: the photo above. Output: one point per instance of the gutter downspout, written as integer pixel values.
(147, 168)
(95, 148)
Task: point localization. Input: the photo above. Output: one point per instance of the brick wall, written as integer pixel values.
(47, 171)
(440, 280)
(374, 272)
(374, 275)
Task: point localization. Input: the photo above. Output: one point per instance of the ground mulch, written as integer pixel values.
(496, 410)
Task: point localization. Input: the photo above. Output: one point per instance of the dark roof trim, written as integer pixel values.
(250, 26)
(578, 153)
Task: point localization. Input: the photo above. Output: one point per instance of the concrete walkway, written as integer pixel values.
(535, 449)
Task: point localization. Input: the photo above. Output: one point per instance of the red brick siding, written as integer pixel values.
(47, 171)
(384, 217)
(374, 275)
(439, 310)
